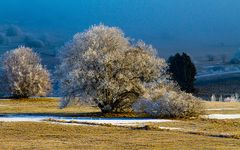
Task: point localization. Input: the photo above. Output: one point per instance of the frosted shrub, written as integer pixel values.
(213, 98)
(23, 74)
(233, 98)
(220, 98)
(171, 105)
(100, 65)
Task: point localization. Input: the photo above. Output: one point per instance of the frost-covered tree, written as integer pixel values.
(24, 75)
(213, 98)
(101, 66)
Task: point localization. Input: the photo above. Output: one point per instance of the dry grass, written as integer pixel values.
(208, 127)
(210, 105)
(220, 105)
(42, 106)
(51, 136)
(194, 134)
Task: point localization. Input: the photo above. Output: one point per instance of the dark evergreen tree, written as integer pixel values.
(183, 71)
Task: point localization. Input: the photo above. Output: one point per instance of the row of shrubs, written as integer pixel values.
(103, 67)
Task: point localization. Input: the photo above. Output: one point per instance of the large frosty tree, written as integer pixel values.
(24, 75)
(101, 66)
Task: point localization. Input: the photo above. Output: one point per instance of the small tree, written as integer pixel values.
(101, 66)
(183, 71)
(24, 75)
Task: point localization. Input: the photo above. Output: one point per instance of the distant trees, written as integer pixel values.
(183, 71)
(101, 66)
(23, 74)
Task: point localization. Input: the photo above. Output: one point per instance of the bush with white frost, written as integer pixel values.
(101, 66)
(23, 74)
(170, 105)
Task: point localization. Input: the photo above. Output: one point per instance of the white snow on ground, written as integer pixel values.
(112, 121)
(223, 116)
(22, 119)
(223, 109)
(115, 123)
(71, 124)
(169, 128)
(120, 122)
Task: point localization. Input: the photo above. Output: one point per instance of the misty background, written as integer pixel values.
(199, 28)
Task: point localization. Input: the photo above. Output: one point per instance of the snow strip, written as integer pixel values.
(120, 122)
(169, 128)
(21, 119)
(223, 109)
(223, 116)
(82, 120)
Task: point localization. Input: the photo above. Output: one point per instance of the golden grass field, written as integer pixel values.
(194, 134)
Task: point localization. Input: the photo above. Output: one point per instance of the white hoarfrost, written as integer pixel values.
(171, 104)
(101, 66)
(23, 75)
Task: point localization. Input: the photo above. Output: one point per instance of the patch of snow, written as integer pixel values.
(223, 109)
(20, 119)
(223, 116)
(169, 128)
(119, 121)
(82, 120)
(72, 124)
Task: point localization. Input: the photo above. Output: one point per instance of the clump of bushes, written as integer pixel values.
(23, 74)
(170, 105)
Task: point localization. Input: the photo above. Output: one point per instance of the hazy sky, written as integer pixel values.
(199, 27)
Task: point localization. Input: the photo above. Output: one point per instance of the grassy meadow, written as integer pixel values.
(193, 134)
